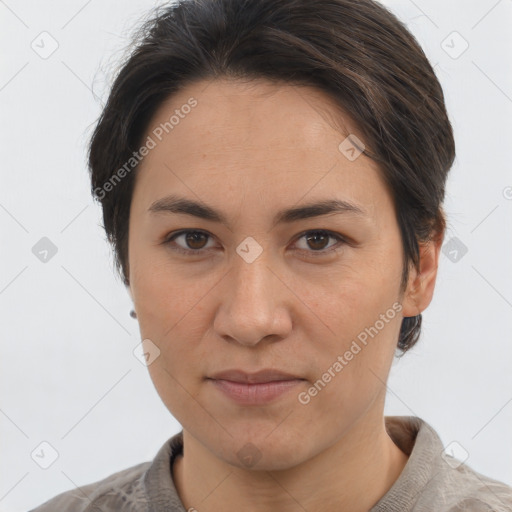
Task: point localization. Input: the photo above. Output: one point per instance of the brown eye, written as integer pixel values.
(318, 240)
(195, 239)
(193, 242)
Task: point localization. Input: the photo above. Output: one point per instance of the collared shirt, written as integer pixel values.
(431, 481)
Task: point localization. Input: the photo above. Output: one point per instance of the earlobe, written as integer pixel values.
(133, 313)
(420, 288)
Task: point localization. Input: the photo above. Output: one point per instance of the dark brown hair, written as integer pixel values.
(355, 50)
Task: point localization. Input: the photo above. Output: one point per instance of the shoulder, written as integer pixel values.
(462, 488)
(435, 480)
(134, 489)
(123, 490)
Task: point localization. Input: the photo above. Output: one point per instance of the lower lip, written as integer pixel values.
(255, 394)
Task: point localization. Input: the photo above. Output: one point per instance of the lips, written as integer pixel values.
(266, 375)
(251, 389)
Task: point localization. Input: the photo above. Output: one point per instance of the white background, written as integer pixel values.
(68, 374)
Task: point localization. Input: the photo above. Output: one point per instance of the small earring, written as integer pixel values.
(133, 314)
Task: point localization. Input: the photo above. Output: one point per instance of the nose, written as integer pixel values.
(254, 303)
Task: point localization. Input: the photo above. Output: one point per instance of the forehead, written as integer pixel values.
(257, 113)
(271, 140)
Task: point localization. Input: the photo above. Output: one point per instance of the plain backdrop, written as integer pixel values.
(69, 378)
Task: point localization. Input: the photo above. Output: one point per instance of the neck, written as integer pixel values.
(353, 474)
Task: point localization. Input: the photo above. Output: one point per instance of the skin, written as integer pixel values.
(249, 150)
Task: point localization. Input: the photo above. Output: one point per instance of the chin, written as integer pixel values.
(263, 451)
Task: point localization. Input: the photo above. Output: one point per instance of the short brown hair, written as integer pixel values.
(355, 50)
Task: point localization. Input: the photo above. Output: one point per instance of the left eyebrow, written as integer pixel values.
(176, 204)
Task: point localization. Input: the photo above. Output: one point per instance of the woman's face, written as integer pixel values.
(260, 289)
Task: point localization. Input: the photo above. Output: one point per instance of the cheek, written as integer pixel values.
(362, 314)
(166, 293)
(173, 317)
(172, 309)
(351, 369)
(353, 300)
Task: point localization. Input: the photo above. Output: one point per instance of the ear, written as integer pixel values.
(420, 286)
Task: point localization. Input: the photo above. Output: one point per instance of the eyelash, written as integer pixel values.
(192, 252)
